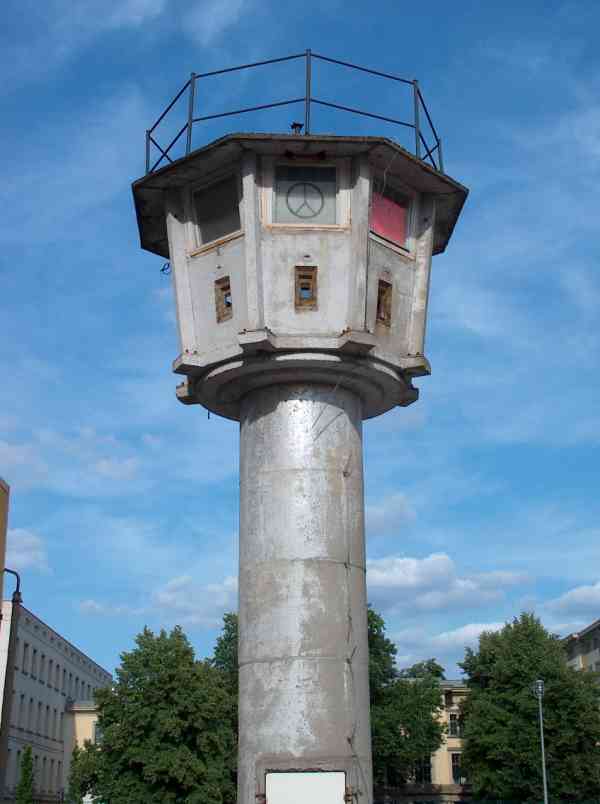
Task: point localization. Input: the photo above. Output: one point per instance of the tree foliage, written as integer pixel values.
(405, 708)
(166, 729)
(502, 743)
(24, 791)
(169, 725)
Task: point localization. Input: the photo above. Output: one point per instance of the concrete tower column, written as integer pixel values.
(303, 653)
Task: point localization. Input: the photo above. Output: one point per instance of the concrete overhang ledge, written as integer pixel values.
(148, 192)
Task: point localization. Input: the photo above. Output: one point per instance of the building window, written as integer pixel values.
(223, 299)
(42, 667)
(25, 662)
(389, 213)
(30, 712)
(306, 288)
(455, 725)
(423, 771)
(64, 681)
(97, 733)
(21, 717)
(384, 303)
(457, 775)
(217, 210)
(34, 663)
(50, 669)
(305, 194)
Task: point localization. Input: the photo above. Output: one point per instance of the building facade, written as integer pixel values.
(583, 648)
(44, 677)
(441, 777)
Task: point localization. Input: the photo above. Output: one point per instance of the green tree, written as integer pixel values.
(166, 729)
(501, 754)
(225, 656)
(83, 775)
(24, 791)
(406, 727)
(382, 656)
(427, 668)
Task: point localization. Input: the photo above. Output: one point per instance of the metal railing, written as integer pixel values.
(422, 147)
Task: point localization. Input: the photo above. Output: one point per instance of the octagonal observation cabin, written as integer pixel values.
(302, 256)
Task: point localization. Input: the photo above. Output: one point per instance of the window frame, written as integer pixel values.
(343, 192)
(194, 237)
(409, 249)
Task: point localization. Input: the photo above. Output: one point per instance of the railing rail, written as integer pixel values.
(429, 140)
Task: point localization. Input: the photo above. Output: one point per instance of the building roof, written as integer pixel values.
(578, 634)
(452, 683)
(26, 611)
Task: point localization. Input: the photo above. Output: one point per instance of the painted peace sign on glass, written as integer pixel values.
(304, 200)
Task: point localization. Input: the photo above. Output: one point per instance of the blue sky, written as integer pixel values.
(482, 499)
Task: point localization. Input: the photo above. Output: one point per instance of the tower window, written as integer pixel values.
(306, 288)
(223, 300)
(217, 210)
(389, 213)
(384, 303)
(305, 194)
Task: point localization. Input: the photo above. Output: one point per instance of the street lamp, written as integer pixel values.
(538, 690)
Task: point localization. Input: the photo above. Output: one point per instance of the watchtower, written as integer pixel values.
(301, 266)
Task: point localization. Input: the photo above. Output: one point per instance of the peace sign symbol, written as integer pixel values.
(304, 199)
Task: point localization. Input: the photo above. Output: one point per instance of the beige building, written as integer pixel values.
(583, 648)
(441, 779)
(48, 687)
(4, 492)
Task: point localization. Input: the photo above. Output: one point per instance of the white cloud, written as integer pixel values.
(207, 21)
(181, 600)
(580, 600)
(93, 607)
(389, 513)
(432, 583)
(416, 644)
(195, 604)
(56, 30)
(463, 637)
(26, 550)
(124, 469)
(50, 194)
(82, 462)
(22, 464)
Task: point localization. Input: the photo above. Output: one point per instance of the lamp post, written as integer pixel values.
(7, 690)
(538, 689)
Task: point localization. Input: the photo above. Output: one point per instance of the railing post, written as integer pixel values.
(147, 151)
(440, 157)
(188, 144)
(308, 92)
(417, 124)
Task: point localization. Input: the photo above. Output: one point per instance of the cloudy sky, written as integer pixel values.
(482, 499)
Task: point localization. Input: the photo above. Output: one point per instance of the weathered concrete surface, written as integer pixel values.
(304, 697)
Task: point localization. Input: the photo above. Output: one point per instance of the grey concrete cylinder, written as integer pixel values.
(303, 653)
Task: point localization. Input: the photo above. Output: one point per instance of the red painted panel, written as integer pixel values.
(388, 218)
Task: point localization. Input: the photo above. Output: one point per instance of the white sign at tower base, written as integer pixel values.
(321, 787)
